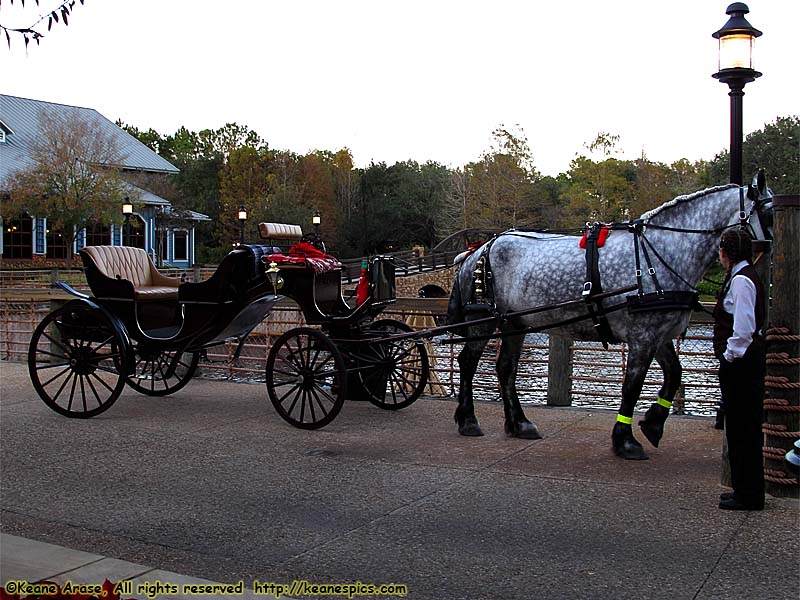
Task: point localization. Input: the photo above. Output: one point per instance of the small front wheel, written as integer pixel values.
(306, 378)
(76, 360)
(159, 372)
(393, 373)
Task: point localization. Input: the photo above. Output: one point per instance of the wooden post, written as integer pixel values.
(559, 372)
(782, 397)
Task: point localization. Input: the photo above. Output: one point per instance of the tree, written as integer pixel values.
(774, 148)
(599, 191)
(72, 179)
(502, 182)
(33, 31)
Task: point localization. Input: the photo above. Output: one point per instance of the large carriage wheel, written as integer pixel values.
(77, 360)
(393, 373)
(159, 372)
(306, 378)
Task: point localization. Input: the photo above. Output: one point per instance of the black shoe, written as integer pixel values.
(726, 495)
(734, 504)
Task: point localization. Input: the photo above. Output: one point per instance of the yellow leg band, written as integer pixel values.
(664, 403)
(624, 419)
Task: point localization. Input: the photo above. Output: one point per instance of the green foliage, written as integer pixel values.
(64, 181)
(775, 148)
(370, 209)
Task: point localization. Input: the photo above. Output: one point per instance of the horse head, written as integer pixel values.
(761, 226)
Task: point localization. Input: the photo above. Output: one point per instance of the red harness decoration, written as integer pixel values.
(303, 253)
(601, 237)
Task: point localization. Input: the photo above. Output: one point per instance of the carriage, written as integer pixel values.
(147, 331)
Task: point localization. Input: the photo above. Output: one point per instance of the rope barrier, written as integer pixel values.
(779, 430)
(780, 405)
(781, 358)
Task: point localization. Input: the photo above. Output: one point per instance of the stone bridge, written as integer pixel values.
(408, 286)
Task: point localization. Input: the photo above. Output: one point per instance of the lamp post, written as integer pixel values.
(242, 218)
(736, 41)
(316, 221)
(127, 210)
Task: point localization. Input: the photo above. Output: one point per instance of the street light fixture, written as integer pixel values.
(736, 42)
(242, 218)
(316, 221)
(127, 210)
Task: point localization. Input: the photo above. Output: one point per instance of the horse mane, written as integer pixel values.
(686, 198)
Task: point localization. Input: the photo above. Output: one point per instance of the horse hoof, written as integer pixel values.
(470, 430)
(630, 449)
(524, 431)
(652, 431)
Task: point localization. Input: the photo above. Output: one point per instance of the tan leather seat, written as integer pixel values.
(280, 231)
(135, 266)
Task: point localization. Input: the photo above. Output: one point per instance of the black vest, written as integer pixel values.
(723, 321)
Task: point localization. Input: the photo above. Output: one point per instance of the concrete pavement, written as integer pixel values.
(211, 484)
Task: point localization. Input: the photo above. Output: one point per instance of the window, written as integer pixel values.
(18, 238)
(98, 234)
(133, 232)
(57, 244)
(180, 248)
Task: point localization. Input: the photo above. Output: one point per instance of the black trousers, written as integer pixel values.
(742, 386)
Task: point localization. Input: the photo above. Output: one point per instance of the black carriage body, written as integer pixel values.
(146, 330)
(190, 316)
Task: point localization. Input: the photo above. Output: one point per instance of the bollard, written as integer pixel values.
(559, 372)
(782, 385)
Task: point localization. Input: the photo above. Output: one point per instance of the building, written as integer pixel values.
(152, 226)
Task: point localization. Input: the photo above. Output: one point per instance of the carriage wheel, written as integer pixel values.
(306, 378)
(393, 373)
(76, 360)
(159, 372)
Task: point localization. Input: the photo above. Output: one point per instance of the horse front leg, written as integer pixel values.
(624, 443)
(507, 363)
(468, 360)
(652, 425)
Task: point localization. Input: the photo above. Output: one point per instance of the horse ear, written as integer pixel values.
(761, 182)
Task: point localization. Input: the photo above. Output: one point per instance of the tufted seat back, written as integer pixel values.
(280, 231)
(124, 263)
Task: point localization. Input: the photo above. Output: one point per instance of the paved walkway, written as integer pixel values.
(210, 485)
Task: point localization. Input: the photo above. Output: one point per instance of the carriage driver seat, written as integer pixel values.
(126, 273)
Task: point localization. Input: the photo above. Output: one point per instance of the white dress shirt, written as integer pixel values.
(740, 301)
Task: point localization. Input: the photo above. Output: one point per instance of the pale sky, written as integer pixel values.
(423, 80)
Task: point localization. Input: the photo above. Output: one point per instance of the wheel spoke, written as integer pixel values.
(52, 379)
(96, 395)
(56, 342)
(103, 382)
(72, 391)
(63, 385)
(319, 402)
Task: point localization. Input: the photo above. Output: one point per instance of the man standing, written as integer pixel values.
(740, 347)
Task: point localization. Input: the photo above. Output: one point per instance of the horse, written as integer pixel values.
(497, 285)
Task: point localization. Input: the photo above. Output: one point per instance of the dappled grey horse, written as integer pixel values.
(530, 269)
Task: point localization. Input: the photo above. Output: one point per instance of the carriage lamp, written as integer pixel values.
(242, 215)
(316, 220)
(736, 42)
(274, 277)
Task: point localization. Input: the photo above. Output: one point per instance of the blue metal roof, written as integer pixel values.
(21, 117)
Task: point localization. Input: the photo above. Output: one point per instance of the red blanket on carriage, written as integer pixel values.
(305, 254)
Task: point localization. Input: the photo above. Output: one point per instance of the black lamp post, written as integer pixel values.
(736, 41)
(242, 218)
(127, 210)
(316, 221)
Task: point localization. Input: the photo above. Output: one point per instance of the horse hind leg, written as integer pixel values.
(516, 424)
(652, 425)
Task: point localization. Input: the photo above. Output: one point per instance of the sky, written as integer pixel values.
(412, 80)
